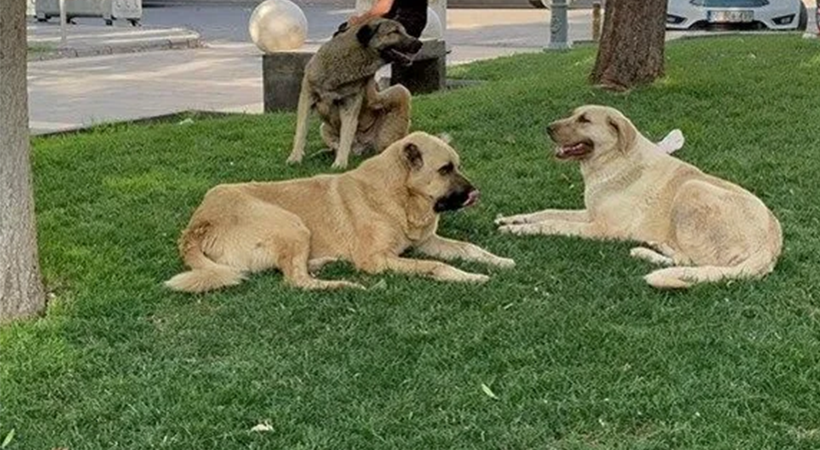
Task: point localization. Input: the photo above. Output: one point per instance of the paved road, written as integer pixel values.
(502, 28)
(225, 23)
(75, 92)
(477, 27)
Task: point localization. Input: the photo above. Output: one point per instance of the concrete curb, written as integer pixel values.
(189, 41)
(158, 119)
(689, 35)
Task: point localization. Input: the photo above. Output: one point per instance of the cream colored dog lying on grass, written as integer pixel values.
(368, 216)
(633, 191)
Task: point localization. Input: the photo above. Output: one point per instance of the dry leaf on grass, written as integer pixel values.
(488, 391)
(265, 426)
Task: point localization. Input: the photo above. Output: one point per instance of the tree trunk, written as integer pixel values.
(21, 289)
(631, 49)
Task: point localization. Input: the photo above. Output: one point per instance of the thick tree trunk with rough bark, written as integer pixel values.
(631, 49)
(21, 289)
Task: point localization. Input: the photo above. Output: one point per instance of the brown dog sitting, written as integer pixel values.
(368, 216)
(339, 85)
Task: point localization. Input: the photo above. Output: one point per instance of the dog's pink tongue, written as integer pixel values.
(472, 198)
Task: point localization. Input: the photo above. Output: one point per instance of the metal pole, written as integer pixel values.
(558, 26)
(63, 20)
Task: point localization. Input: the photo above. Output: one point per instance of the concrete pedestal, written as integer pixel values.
(282, 74)
(559, 25)
(428, 73)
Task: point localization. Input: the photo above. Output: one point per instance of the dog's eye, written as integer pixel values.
(584, 119)
(446, 169)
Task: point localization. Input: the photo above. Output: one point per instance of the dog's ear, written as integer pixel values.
(366, 33)
(626, 132)
(412, 156)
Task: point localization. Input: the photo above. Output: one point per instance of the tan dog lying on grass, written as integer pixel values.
(633, 191)
(368, 216)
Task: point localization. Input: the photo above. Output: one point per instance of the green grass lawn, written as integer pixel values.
(577, 352)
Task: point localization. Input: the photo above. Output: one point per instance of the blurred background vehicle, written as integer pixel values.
(745, 14)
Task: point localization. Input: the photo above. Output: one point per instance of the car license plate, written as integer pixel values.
(730, 16)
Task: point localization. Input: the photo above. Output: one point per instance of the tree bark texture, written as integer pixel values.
(21, 289)
(631, 50)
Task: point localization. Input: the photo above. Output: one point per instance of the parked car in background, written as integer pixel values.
(755, 14)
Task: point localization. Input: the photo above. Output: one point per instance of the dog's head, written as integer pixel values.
(592, 131)
(389, 39)
(433, 172)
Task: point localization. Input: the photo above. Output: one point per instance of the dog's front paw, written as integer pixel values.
(504, 263)
(475, 278)
(520, 230)
(294, 159)
(339, 165)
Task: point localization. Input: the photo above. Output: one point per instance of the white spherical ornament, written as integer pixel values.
(277, 25)
(433, 29)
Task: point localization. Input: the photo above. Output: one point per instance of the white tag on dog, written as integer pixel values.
(672, 142)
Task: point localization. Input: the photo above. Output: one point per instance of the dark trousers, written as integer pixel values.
(413, 23)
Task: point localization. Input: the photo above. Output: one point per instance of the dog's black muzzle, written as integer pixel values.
(462, 195)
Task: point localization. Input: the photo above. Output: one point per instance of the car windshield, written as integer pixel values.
(730, 3)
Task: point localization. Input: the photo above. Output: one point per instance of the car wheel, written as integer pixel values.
(537, 4)
(803, 21)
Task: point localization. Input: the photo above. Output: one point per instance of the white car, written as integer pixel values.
(771, 14)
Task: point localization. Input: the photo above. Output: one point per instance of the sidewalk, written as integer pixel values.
(72, 93)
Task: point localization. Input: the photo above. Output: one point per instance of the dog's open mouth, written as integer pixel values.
(472, 198)
(457, 200)
(577, 150)
(400, 57)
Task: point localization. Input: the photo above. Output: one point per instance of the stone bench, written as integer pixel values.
(282, 74)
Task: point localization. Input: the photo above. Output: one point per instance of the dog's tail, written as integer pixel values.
(205, 274)
(758, 265)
